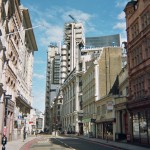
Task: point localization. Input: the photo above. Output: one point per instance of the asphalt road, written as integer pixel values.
(80, 144)
(69, 143)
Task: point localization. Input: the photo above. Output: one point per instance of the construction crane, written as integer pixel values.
(75, 21)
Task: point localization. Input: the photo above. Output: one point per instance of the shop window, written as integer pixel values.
(143, 127)
(108, 129)
(100, 130)
(148, 124)
(135, 126)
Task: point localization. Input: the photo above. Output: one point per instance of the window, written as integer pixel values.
(137, 56)
(135, 30)
(104, 109)
(138, 86)
(98, 110)
(135, 125)
(147, 48)
(145, 19)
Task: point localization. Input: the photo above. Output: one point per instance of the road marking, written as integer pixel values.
(65, 144)
(44, 141)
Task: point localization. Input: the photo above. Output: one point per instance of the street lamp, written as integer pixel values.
(11, 33)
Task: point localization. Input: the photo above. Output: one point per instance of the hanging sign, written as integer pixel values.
(110, 105)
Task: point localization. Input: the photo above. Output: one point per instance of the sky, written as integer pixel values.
(99, 17)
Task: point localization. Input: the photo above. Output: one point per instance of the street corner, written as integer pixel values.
(34, 141)
(28, 144)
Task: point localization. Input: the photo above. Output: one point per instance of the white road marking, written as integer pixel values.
(65, 144)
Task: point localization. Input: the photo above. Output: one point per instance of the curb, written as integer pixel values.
(27, 145)
(105, 144)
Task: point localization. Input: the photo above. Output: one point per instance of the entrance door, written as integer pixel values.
(81, 128)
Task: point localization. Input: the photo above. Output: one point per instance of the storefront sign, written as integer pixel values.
(110, 105)
(86, 120)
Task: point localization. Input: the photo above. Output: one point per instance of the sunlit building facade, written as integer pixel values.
(138, 52)
(73, 41)
(52, 82)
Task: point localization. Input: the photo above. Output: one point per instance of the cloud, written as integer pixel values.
(121, 16)
(121, 3)
(52, 33)
(120, 25)
(53, 20)
(39, 76)
(82, 17)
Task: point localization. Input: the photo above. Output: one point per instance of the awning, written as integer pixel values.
(106, 120)
(22, 102)
(86, 120)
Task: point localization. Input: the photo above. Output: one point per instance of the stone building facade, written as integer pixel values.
(18, 46)
(98, 80)
(74, 40)
(138, 52)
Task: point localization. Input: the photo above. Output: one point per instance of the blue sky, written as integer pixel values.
(100, 17)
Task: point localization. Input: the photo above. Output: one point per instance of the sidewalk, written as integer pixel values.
(18, 144)
(124, 146)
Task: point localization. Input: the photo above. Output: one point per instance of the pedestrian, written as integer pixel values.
(24, 134)
(4, 142)
(36, 132)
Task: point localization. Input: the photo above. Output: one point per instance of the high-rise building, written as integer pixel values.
(138, 54)
(52, 81)
(73, 42)
(73, 39)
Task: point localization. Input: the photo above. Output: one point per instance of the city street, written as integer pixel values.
(68, 143)
(75, 75)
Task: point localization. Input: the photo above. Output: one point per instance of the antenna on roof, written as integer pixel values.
(72, 18)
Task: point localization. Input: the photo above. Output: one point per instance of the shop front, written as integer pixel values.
(89, 127)
(21, 117)
(105, 130)
(141, 126)
(108, 130)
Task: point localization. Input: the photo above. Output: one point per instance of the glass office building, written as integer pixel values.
(103, 41)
